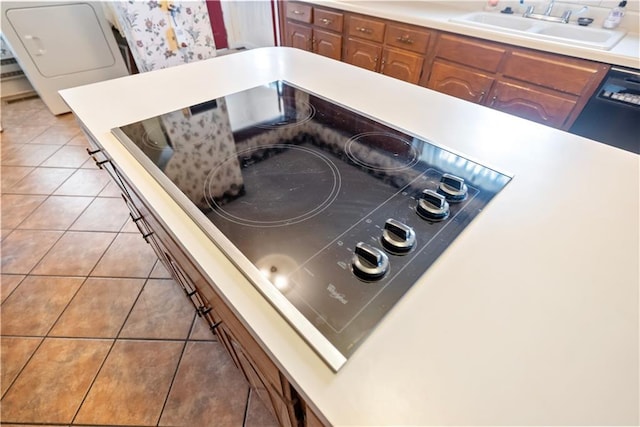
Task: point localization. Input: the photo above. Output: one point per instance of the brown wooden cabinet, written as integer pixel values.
(314, 29)
(546, 88)
(543, 87)
(263, 376)
(393, 49)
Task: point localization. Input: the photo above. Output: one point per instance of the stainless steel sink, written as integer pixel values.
(570, 34)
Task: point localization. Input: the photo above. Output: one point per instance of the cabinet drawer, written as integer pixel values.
(327, 19)
(477, 54)
(460, 82)
(366, 28)
(539, 105)
(555, 72)
(407, 38)
(299, 12)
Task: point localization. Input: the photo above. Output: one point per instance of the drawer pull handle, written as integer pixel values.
(493, 100)
(405, 39)
(92, 152)
(364, 30)
(99, 164)
(190, 293)
(203, 311)
(326, 21)
(481, 96)
(215, 326)
(298, 12)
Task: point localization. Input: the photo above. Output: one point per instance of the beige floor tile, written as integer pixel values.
(56, 213)
(130, 227)
(159, 271)
(79, 140)
(99, 309)
(27, 154)
(133, 384)
(161, 312)
(52, 385)
(13, 174)
(257, 413)
(201, 331)
(4, 233)
(104, 214)
(84, 182)
(69, 156)
(14, 354)
(35, 305)
(57, 135)
(17, 207)
(21, 134)
(42, 118)
(75, 253)
(195, 402)
(128, 256)
(111, 190)
(23, 249)
(41, 181)
(8, 282)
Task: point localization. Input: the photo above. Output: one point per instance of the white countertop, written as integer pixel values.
(529, 317)
(438, 14)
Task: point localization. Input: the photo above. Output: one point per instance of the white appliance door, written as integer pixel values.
(61, 45)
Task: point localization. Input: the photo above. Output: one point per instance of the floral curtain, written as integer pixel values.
(162, 34)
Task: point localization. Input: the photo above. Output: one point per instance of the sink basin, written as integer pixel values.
(583, 35)
(496, 20)
(570, 34)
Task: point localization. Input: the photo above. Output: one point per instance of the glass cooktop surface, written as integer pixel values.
(333, 212)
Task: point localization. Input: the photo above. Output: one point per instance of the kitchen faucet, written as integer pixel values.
(547, 11)
(546, 15)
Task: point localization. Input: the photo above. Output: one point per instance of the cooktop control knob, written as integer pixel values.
(453, 188)
(398, 238)
(369, 263)
(432, 206)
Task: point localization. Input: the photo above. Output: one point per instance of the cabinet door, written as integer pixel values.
(402, 65)
(459, 82)
(327, 44)
(531, 103)
(298, 36)
(363, 54)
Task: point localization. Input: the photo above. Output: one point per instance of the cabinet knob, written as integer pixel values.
(397, 237)
(364, 30)
(297, 12)
(326, 21)
(406, 39)
(432, 206)
(369, 263)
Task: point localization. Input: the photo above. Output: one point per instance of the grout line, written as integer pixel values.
(246, 408)
(113, 344)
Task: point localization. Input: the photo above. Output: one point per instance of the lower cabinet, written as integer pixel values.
(463, 83)
(529, 102)
(263, 376)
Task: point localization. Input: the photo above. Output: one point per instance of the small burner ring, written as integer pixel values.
(381, 151)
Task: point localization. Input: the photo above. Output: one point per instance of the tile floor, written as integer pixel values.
(93, 330)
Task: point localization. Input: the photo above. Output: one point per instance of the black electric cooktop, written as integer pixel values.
(331, 214)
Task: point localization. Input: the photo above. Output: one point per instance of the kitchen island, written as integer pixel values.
(529, 317)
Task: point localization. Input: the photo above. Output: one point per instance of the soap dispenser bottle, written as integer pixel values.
(615, 16)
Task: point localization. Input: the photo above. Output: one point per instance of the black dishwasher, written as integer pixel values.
(612, 115)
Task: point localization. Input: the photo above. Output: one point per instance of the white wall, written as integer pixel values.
(249, 23)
